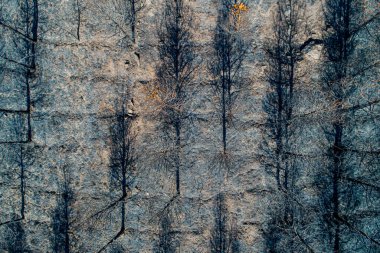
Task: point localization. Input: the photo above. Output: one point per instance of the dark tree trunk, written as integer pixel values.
(66, 221)
(230, 49)
(31, 51)
(78, 18)
(22, 182)
(133, 20)
(178, 160)
(283, 52)
(175, 74)
(224, 114)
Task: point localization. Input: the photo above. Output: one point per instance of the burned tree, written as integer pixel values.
(174, 76)
(230, 50)
(15, 238)
(284, 53)
(124, 16)
(135, 7)
(167, 242)
(219, 237)
(79, 13)
(22, 57)
(61, 238)
(347, 181)
(19, 22)
(20, 158)
(122, 160)
(224, 236)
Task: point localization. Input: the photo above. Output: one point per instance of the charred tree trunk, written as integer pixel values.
(230, 49)
(345, 73)
(79, 13)
(31, 52)
(175, 74)
(61, 238)
(224, 235)
(338, 16)
(15, 238)
(134, 8)
(167, 242)
(178, 159)
(22, 181)
(133, 20)
(284, 54)
(122, 160)
(25, 42)
(219, 236)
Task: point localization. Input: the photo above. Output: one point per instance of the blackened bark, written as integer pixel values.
(79, 12)
(15, 238)
(61, 239)
(224, 116)
(134, 8)
(178, 159)
(166, 241)
(175, 74)
(219, 236)
(22, 181)
(337, 49)
(31, 51)
(280, 109)
(224, 235)
(27, 30)
(122, 160)
(133, 20)
(284, 54)
(230, 50)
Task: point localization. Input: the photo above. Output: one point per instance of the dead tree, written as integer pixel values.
(175, 75)
(122, 157)
(135, 7)
(15, 238)
(22, 160)
(18, 62)
(25, 37)
(122, 161)
(284, 53)
(224, 235)
(61, 238)
(347, 183)
(219, 237)
(166, 242)
(230, 50)
(21, 157)
(124, 16)
(79, 13)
